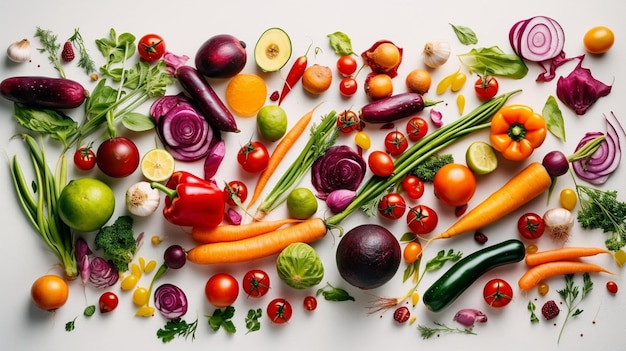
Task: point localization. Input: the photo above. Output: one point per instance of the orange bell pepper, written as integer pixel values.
(516, 131)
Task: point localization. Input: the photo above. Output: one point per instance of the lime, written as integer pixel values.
(157, 165)
(301, 203)
(481, 158)
(86, 204)
(271, 121)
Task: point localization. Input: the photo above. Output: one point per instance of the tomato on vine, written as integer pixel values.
(347, 121)
(151, 47)
(256, 283)
(392, 206)
(253, 157)
(422, 219)
(396, 143)
(279, 311)
(85, 158)
(486, 87)
(497, 293)
(235, 188)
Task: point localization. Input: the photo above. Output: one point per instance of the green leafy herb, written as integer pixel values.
(252, 320)
(570, 295)
(84, 61)
(531, 308)
(71, 325)
(428, 332)
(55, 124)
(427, 169)
(177, 327)
(600, 209)
(51, 47)
(89, 310)
(223, 318)
(441, 258)
(331, 293)
(554, 118)
(493, 61)
(465, 34)
(341, 43)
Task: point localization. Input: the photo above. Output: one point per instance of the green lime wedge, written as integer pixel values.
(481, 158)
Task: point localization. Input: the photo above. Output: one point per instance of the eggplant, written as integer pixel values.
(394, 108)
(43, 92)
(205, 98)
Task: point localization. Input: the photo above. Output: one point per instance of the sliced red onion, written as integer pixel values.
(538, 39)
(171, 301)
(164, 104)
(102, 273)
(214, 159)
(339, 199)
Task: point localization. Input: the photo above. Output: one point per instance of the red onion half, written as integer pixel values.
(171, 301)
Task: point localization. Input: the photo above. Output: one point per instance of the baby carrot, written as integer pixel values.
(279, 153)
(564, 253)
(543, 271)
(259, 246)
(237, 232)
(294, 75)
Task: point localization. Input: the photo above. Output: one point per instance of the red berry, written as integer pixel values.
(68, 52)
(550, 309)
(275, 96)
(401, 314)
(611, 286)
(480, 238)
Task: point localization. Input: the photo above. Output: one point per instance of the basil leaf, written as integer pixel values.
(56, 125)
(331, 293)
(493, 61)
(554, 118)
(341, 43)
(465, 34)
(137, 122)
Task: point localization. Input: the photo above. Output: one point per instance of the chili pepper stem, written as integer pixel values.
(171, 193)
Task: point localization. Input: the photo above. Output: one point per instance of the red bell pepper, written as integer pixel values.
(192, 201)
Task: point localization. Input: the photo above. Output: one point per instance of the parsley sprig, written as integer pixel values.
(177, 328)
(222, 318)
(572, 295)
(600, 209)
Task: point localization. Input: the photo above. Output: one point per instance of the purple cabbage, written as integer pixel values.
(102, 273)
(171, 301)
(579, 90)
(340, 168)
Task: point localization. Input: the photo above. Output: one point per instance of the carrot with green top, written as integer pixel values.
(232, 232)
(541, 272)
(563, 253)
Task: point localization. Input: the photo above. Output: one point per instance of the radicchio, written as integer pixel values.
(579, 90)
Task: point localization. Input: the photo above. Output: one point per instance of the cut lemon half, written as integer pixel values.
(481, 158)
(157, 165)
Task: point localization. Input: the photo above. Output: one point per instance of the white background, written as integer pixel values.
(185, 25)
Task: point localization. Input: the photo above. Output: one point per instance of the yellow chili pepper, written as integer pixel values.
(460, 103)
(516, 131)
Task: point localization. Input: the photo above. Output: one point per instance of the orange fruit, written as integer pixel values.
(49, 292)
(246, 94)
(317, 79)
(418, 81)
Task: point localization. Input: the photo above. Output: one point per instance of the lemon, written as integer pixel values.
(157, 165)
(301, 203)
(86, 204)
(481, 158)
(271, 121)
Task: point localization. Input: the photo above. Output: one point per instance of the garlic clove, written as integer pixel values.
(19, 51)
(141, 199)
(436, 53)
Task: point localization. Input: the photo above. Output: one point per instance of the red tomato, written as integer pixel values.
(235, 188)
(310, 303)
(413, 187)
(611, 286)
(256, 283)
(454, 184)
(346, 65)
(347, 121)
(221, 290)
(279, 311)
(392, 206)
(396, 143)
(380, 163)
(108, 302)
(348, 86)
(253, 157)
(486, 87)
(531, 226)
(497, 293)
(422, 219)
(118, 157)
(85, 158)
(416, 128)
(151, 47)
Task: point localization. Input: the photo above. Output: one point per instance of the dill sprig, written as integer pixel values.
(428, 332)
(85, 61)
(51, 47)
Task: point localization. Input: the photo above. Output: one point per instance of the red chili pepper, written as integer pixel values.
(192, 201)
(294, 75)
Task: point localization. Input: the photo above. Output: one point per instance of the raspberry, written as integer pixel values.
(68, 52)
(550, 309)
(401, 314)
(275, 95)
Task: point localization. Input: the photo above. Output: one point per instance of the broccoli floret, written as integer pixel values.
(427, 169)
(117, 242)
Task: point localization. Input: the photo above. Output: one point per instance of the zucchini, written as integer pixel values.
(43, 92)
(467, 270)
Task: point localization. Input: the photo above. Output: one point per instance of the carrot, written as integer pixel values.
(543, 271)
(279, 153)
(564, 253)
(238, 232)
(259, 246)
(529, 183)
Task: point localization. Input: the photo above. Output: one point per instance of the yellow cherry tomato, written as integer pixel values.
(598, 40)
(568, 198)
(458, 81)
(362, 140)
(460, 103)
(531, 249)
(543, 289)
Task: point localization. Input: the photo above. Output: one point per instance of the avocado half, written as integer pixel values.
(272, 50)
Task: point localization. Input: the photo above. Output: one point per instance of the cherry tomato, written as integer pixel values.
(611, 286)
(348, 86)
(598, 40)
(118, 157)
(235, 188)
(497, 293)
(108, 302)
(279, 311)
(392, 206)
(380, 163)
(253, 157)
(412, 251)
(396, 143)
(151, 47)
(310, 303)
(531, 226)
(346, 65)
(422, 219)
(454, 184)
(486, 87)
(416, 128)
(568, 198)
(347, 121)
(49, 292)
(85, 158)
(256, 283)
(221, 290)
(413, 187)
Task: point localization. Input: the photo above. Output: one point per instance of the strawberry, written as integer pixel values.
(68, 52)
(550, 309)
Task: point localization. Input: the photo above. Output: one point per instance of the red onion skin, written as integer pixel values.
(171, 301)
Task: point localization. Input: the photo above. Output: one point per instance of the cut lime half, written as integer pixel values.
(481, 158)
(157, 165)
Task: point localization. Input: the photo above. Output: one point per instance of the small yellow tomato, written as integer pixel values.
(543, 289)
(531, 249)
(568, 198)
(458, 81)
(598, 40)
(362, 140)
(141, 296)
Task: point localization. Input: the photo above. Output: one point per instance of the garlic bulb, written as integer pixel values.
(436, 53)
(19, 51)
(559, 222)
(142, 200)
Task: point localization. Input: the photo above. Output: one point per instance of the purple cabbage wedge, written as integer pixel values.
(341, 167)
